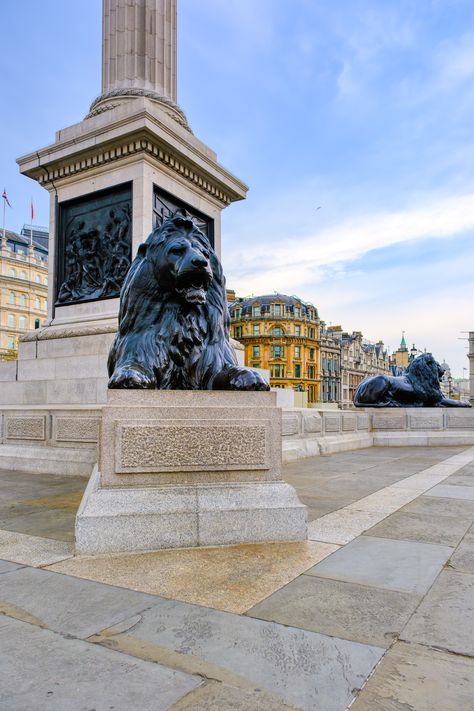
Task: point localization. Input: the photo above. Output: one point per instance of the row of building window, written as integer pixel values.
(274, 310)
(279, 352)
(22, 300)
(277, 370)
(23, 275)
(277, 331)
(22, 321)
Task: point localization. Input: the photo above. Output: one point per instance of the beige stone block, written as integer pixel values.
(363, 422)
(8, 371)
(459, 419)
(19, 426)
(83, 366)
(425, 419)
(291, 423)
(67, 392)
(76, 346)
(75, 428)
(349, 423)
(26, 349)
(37, 369)
(332, 422)
(312, 422)
(384, 420)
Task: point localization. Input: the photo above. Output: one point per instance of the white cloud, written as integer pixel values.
(287, 264)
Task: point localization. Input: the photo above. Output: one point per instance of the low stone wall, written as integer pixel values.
(307, 433)
(62, 440)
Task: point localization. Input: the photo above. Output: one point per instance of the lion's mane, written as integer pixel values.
(423, 373)
(185, 344)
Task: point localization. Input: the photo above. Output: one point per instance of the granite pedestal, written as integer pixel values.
(185, 469)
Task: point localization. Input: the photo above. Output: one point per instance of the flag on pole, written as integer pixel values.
(5, 197)
(32, 211)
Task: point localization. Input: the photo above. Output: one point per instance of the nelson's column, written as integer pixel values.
(111, 178)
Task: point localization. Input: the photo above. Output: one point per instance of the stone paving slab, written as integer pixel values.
(32, 550)
(65, 604)
(231, 578)
(452, 492)
(7, 567)
(447, 530)
(438, 506)
(311, 671)
(215, 696)
(406, 566)
(414, 678)
(341, 527)
(463, 557)
(42, 670)
(339, 609)
(445, 618)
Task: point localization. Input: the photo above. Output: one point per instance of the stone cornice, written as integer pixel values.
(130, 132)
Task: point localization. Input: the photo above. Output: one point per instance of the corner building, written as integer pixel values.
(23, 285)
(281, 334)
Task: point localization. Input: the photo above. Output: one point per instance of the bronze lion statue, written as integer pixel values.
(174, 320)
(418, 386)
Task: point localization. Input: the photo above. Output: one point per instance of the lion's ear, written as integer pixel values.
(142, 250)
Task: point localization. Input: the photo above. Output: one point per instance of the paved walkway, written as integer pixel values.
(376, 610)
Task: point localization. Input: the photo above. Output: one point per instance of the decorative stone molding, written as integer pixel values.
(138, 146)
(29, 427)
(47, 334)
(76, 429)
(174, 111)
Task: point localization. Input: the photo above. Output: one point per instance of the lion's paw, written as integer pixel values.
(247, 379)
(131, 379)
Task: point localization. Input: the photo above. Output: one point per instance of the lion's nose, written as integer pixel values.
(199, 262)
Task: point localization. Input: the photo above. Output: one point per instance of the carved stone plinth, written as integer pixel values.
(185, 469)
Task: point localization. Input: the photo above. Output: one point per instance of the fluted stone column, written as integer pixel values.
(139, 52)
(139, 46)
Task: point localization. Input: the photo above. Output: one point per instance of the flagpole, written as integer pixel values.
(4, 206)
(31, 226)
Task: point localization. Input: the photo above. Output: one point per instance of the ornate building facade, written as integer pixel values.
(281, 334)
(23, 285)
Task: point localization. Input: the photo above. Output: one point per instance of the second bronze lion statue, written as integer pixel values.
(418, 386)
(174, 319)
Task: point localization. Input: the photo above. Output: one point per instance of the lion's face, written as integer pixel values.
(183, 265)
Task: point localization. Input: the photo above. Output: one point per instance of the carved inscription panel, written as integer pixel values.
(25, 428)
(185, 447)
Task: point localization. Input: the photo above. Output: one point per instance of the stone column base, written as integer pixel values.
(188, 468)
(129, 520)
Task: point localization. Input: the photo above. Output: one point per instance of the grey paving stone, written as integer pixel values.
(7, 567)
(397, 565)
(438, 506)
(445, 618)
(215, 696)
(447, 530)
(452, 492)
(43, 670)
(309, 670)
(70, 605)
(339, 609)
(414, 678)
(463, 557)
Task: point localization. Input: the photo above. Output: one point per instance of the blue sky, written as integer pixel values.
(363, 108)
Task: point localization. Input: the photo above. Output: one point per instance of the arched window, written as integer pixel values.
(37, 303)
(22, 321)
(11, 342)
(22, 299)
(12, 298)
(23, 275)
(11, 320)
(12, 272)
(45, 281)
(45, 305)
(37, 279)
